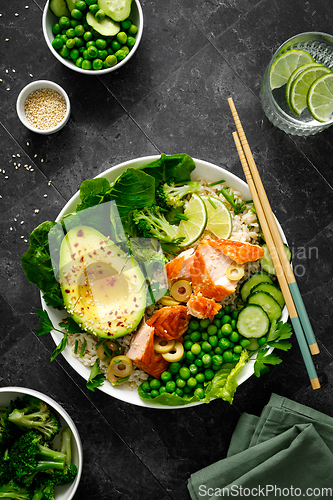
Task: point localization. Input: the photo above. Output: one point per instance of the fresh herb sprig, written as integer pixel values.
(96, 379)
(234, 202)
(277, 338)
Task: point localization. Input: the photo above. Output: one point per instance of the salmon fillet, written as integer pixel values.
(141, 352)
(202, 307)
(208, 271)
(179, 267)
(238, 251)
(170, 322)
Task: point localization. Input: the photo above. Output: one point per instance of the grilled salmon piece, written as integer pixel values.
(142, 353)
(238, 251)
(170, 322)
(179, 267)
(202, 307)
(208, 272)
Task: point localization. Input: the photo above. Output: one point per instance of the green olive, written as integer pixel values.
(121, 366)
(110, 346)
(175, 354)
(114, 379)
(166, 300)
(162, 346)
(235, 272)
(181, 290)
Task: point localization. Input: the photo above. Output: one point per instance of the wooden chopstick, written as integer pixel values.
(278, 267)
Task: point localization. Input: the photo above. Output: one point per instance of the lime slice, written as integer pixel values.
(285, 64)
(294, 75)
(320, 98)
(300, 87)
(219, 220)
(192, 228)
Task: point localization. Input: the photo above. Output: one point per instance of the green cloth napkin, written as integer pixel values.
(286, 452)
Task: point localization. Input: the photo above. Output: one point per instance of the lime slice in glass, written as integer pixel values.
(300, 87)
(192, 228)
(320, 98)
(294, 75)
(285, 64)
(219, 220)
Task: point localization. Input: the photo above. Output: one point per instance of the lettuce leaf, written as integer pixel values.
(176, 168)
(93, 192)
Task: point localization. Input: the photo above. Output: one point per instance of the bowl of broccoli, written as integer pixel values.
(40, 447)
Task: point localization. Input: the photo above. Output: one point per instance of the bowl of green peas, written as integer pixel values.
(85, 39)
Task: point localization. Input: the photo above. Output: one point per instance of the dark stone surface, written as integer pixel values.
(171, 97)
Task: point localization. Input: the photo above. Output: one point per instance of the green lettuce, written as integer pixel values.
(176, 168)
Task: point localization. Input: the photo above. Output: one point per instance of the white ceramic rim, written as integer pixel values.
(47, 32)
(21, 391)
(210, 172)
(32, 87)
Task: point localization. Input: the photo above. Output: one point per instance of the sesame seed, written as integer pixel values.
(18, 155)
(27, 6)
(31, 75)
(25, 241)
(22, 237)
(28, 143)
(13, 70)
(35, 156)
(36, 210)
(45, 195)
(10, 229)
(49, 183)
(16, 14)
(7, 40)
(7, 88)
(6, 70)
(15, 219)
(6, 176)
(42, 160)
(22, 221)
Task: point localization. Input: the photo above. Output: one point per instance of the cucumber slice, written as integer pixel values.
(272, 290)
(70, 4)
(253, 322)
(118, 10)
(266, 260)
(268, 303)
(254, 280)
(59, 8)
(106, 27)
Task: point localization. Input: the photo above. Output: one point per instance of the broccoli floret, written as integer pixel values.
(29, 455)
(151, 223)
(5, 470)
(170, 196)
(8, 431)
(36, 415)
(15, 492)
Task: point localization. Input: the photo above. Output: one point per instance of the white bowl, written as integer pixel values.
(8, 394)
(32, 87)
(49, 19)
(203, 170)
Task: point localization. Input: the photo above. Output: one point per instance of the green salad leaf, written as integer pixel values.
(93, 192)
(176, 168)
(96, 378)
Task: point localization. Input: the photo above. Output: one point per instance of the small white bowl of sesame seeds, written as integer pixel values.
(43, 107)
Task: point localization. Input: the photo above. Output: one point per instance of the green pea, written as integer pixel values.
(193, 324)
(162, 389)
(94, 7)
(187, 345)
(262, 340)
(81, 5)
(224, 343)
(64, 38)
(86, 64)
(198, 362)
(245, 343)
(199, 392)
(64, 51)
(190, 356)
(204, 323)
(195, 336)
(81, 49)
(206, 347)
(100, 43)
(90, 2)
(154, 393)
(209, 374)
(130, 41)
(184, 372)
(227, 309)
(234, 314)
(226, 319)
(200, 377)
(174, 367)
(213, 340)
(235, 357)
(180, 382)
(74, 54)
(212, 330)
(126, 24)
(102, 54)
(217, 359)
(217, 322)
(121, 54)
(57, 43)
(220, 314)
(234, 337)
(70, 32)
(227, 356)
(193, 369)
(233, 324)
(110, 61)
(86, 55)
(87, 36)
(226, 329)
(155, 383)
(145, 386)
(97, 64)
(132, 30)
(92, 51)
(70, 44)
(170, 386)
(56, 28)
(192, 382)
(115, 45)
(215, 367)
(206, 359)
(99, 15)
(238, 349)
(195, 349)
(179, 392)
(74, 23)
(79, 62)
(90, 43)
(218, 350)
(122, 37)
(79, 30)
(165, 376)
(64, 22)
(76, 14)
(109, 50)
(79, 42)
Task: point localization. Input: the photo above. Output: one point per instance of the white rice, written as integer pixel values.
(245, 228)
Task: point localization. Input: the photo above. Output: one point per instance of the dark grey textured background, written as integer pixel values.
(171, 97)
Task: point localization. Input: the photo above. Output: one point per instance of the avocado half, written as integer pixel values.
(102, 286)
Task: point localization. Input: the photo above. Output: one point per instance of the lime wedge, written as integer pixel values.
(192, 228)
(219, 220)
(285, 64)
(320, 98)
(300, 87)
(294, 75)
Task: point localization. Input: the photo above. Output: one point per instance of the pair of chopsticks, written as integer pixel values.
(297, 312)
